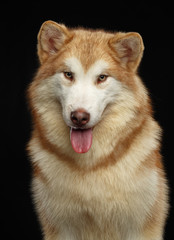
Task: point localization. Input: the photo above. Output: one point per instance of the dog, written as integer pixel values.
(95, 146)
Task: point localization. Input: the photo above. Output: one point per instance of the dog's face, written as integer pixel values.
(84, 95)
(82, 74)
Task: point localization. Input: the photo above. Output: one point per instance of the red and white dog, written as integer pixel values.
(95, 147)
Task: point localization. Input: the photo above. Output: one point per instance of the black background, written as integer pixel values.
(20, 24)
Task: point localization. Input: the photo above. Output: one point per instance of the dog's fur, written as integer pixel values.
(116, 189)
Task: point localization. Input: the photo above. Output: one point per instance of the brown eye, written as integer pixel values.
(101, 78)
(68, 75)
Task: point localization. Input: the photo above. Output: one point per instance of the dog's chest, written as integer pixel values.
(99, 199)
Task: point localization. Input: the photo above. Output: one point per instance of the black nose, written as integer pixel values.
(80, 117)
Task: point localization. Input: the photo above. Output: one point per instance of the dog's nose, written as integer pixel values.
(80, 117)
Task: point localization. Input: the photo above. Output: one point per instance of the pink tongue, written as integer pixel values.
(81, 140)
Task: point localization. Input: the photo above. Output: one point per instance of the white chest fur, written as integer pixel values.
(94, 202)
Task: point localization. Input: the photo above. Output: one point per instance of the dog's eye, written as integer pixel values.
(101, 78)
(68, 75)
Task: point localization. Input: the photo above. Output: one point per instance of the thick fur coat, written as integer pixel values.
(95, 147)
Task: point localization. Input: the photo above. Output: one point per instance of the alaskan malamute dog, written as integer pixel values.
(95, 147)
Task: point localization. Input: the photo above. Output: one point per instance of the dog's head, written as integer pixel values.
(86, 78)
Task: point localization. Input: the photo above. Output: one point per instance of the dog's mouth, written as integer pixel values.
(81, 139)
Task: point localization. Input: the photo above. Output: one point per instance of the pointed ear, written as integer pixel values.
(128, 48)
(51, 38)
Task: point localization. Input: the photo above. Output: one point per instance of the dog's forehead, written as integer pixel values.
(89, 47)
(76, 66)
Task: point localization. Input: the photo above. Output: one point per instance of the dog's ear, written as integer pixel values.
(51, 38)
(128, 48)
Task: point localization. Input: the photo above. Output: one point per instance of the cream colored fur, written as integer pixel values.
(117, 190)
